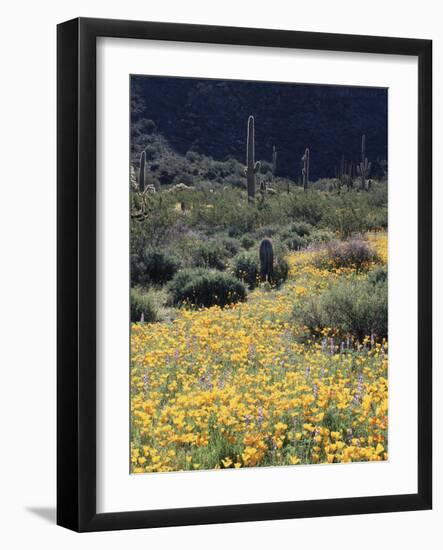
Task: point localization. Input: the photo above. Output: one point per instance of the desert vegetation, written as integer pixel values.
(258, 308)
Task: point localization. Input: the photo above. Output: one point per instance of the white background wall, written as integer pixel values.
(27, 275)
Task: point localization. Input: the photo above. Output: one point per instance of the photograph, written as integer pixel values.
(259, 274)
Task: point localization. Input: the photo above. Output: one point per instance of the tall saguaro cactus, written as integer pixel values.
(266, 259)
(252, 167)
(305, 169)
(141, 174)
(364, 167)
(274, 160)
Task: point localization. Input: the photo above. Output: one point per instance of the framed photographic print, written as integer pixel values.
(244, 274)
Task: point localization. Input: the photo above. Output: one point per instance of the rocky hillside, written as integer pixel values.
(209, 117)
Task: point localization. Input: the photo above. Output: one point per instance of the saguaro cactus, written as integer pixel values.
(274, 160)
(252, 167)
(266, 259)
(346, 173)
(364, 167)
(141, 174)
(305, 169)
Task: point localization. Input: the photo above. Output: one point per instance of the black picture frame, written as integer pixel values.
(76, 280)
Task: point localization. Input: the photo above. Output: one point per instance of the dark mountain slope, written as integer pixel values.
(209, 117)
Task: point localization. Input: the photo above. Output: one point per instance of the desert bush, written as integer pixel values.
(142, 307)
(281, 270)
(357, 307)
(241, 221)
(246, 268)
(231, 245)
(345, 220)
(247, 242)
(215, 253)
(355, 253)
(153, 267)
(378, 275)
(280, 266)
(204, 288)
(267, 231)
(376, 218)
(296, 242)
(302, 229)
(210, 255)
(320, 236)
(307, 207)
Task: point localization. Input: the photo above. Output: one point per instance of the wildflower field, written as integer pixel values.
(246, 385)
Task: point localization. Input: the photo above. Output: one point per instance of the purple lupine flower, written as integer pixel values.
(331, 342)
(315, 390)
(206, 381)
(324, 344)
(342, 347)
(359, 392)
(260, 416)
(307, 371)
(251, 351)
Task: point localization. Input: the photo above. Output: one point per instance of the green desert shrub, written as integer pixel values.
(204, 288)
(246, 268)
(214, 254)
(267, 232)
(307, 207)
(142, 307)
(320, 236)
(281, 270)
(295, 242)
(280, 266)
(346, 220)
(209, 255)
(357, 307)
(247, 242)
(378, 275)
(302, 229)
(231, 246)
(153, 267)
(354, 253)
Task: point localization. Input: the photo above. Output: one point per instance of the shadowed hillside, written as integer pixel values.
(209, 117)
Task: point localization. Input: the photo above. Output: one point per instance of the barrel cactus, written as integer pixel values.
(252, 167)
(266, 259)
